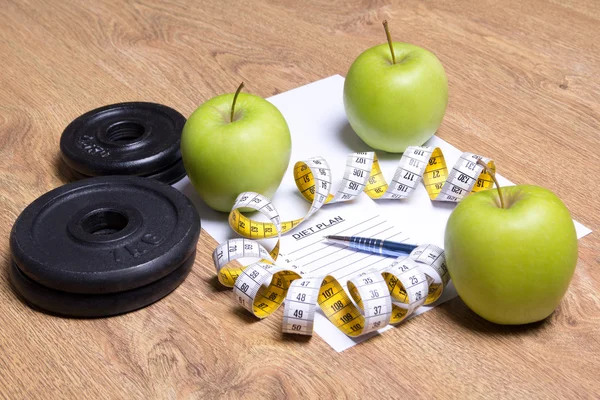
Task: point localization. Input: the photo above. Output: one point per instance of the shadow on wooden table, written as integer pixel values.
(215, 285)
(290, 337)
(458, 311)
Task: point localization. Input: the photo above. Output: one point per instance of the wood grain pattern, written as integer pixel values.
(524, 89)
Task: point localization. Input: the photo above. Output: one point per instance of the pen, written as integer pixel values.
(374, 246)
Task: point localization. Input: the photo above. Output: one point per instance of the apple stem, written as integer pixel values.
(493, 175)
(389, 39)
(235, 96)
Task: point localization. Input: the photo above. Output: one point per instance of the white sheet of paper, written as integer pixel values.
(318, 257)
(318, 125)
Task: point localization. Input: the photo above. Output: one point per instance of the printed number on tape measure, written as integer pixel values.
(376, 298)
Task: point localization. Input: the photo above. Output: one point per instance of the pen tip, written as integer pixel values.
(334, 237)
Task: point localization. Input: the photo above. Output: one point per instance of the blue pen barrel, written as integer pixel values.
(397, 248)
(382, 247)
(366, 244)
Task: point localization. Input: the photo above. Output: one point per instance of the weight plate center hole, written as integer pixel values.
(104, 222)
(125, 132)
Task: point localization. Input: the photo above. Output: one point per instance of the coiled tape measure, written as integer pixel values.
(376, 298)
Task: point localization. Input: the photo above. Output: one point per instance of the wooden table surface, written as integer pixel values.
(524, 83)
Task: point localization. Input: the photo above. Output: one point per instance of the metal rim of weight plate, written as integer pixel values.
(104, 236)
(134, 138)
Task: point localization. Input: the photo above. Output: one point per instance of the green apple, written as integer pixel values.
(235, 143)
(395, 95)
(511, 264)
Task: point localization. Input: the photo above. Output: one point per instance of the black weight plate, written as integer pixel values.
(97, 305)
(134, 138)
(174, 173)
(170, 175)
(105, 234)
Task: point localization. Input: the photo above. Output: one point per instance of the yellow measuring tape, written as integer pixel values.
(376, 298)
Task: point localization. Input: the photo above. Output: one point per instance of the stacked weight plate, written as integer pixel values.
(141, 139)
(120, 238)
(103, 246)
